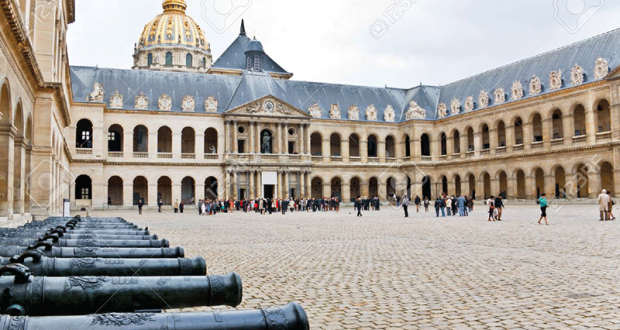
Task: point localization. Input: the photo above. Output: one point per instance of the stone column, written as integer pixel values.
(530, 187)
(595, 183)
(235, 144)
(346, 192)
(128, 144)
(494, 186)
(381, 151)
(302, 140)
(227, 148)
(327, 189)
(364, 150)
(365, 188)
(512, 188)
(510, 138)
(152, 193)
(252, 187)
(449, 147)
(413, 150)
(152, 145)
(616, 174)
(568, 129)
(464, 144)
(399, 149)
(344, 150)
(493, 143)
(19, 159)
(477, 144)
(325, 150)
(550, 186)
(250, 138)
(591, 124)
(528, 136)
(465, 187)
(285, 139)
(7, 180)
(279, 138)
(259, 184)
(546, 128)
(285, 184)
(200, 146)
(257, 140)
(176, 145)
(227, 186)
(128, 194)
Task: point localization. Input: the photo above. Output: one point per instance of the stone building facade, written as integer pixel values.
(240, 127)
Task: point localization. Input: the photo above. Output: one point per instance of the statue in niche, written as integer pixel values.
(266, 143)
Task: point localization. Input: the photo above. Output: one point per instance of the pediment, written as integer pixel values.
(268, 106)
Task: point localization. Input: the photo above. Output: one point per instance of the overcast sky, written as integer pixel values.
(426, 41)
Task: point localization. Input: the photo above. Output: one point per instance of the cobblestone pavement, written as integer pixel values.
(383, 271)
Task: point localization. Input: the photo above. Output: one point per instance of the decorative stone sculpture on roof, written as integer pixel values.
(535, 86)
(334, 111)
(500, 96)
(455, 106)
(517, 90)
(555, 80)
(576, 75)
(116, 101)
(601, 68)
(354, 112)
(141, 102)
(469, 104)
(315, 111)
(483, 99)
(415, 111)
(97, 94)
(371, 113)
(188, 103)
(211, 104)
(389, 115)
(164, 103)
(442, 110)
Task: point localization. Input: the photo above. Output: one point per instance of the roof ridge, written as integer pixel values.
(229, 46)
(536, 56)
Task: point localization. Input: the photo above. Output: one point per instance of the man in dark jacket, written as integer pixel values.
(358, 206)
(499, 206)
(417, 201)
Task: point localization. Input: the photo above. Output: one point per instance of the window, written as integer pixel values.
(189, 60)
(85, 194)
(111, 136)
(204, 62)
(150, 60)
(85, 136)
(249, 63)
(257, 65)
(168, 59)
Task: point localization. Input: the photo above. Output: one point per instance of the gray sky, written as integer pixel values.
(430, 41)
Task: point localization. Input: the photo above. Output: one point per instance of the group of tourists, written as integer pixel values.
(269, 206)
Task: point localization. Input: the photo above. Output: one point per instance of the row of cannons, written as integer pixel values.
(106, 273)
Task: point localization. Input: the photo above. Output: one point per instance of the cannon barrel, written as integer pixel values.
(31, 234)
(40, 265)
(66, 230)
(75, 295)
(289, 317)
(86, 242)
(92, 251)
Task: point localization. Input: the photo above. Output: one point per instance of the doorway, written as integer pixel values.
(269, 190)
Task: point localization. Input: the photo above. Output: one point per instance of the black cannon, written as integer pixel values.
(289, 317)
(40, 265)
(61, 234)
(92, 251)
(24, 294)
(86, 242)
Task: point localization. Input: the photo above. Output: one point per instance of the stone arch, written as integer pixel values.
(6, 111)
(602, 111)
(537, 126)
(485, 177)
(188, 190)
(211, 187)
(334, 145)
(501, 133)
(579, 119)
(164, 140)
(83, 188)
(266, 143)
(407, 140)
(115, 138)
(443, 140)
(557, 124)
(373, 145)
(470, 139)
(355, 187)
(354, 145)
(560, 181)
(18, 121)
(188, 140)
(141, 191)
(164, 190)
(485, 136)
(607, 177)
(211, 143)
(518, 130)
(539, 180)
(456, 141)
(140, 138)
(390, 146)
(84, 134)
(519, 176)
(316, 144)
(316, 187)
(373, 186)
(336, 187)
(425, 145)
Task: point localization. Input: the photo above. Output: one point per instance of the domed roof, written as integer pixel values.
(173, 28)
(255, 46)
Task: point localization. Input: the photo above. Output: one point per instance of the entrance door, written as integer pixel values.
(241, 193)
(269, 191)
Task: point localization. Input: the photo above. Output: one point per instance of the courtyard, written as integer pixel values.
(383, 271)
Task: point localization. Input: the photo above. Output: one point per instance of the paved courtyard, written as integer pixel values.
(383, 271)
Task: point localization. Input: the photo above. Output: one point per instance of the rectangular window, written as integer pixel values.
(84, 193)
(85, 135)
(111, 136)
(257, 63)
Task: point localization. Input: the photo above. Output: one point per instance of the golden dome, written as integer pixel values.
(173, 28)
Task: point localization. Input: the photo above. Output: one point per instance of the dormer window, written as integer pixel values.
(257, 66)
(249, 63)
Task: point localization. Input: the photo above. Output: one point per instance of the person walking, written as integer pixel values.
(499, 206)
(405, 203)
(181, 207)
(160, 203)
(437, 206)
(358, 206)
(140, 205)
(417, 202)
(462, 202)
(611, 207)
(603, 201)
(491, 204)
(542, 201)
(176, 206)
(426, 203)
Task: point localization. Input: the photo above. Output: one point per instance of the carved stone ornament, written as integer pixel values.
(517, 90)
(455, 107)
(334, 111)
(164, 103)
(269, 107)
(535, 86)
(371, 113)
(500, 96)
(576, 75)
(142, 102)
(97, 94)
(601, 68)
(122, 319)
(483, 99)
(354, 112)
(469, 103)
(555, 80)
(116, 101)
(188, 103)
(211, 104)
(442, 110)
(315, 111)
(389, 115)
(415, 111)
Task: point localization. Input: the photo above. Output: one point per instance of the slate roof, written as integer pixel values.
(233, 91)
